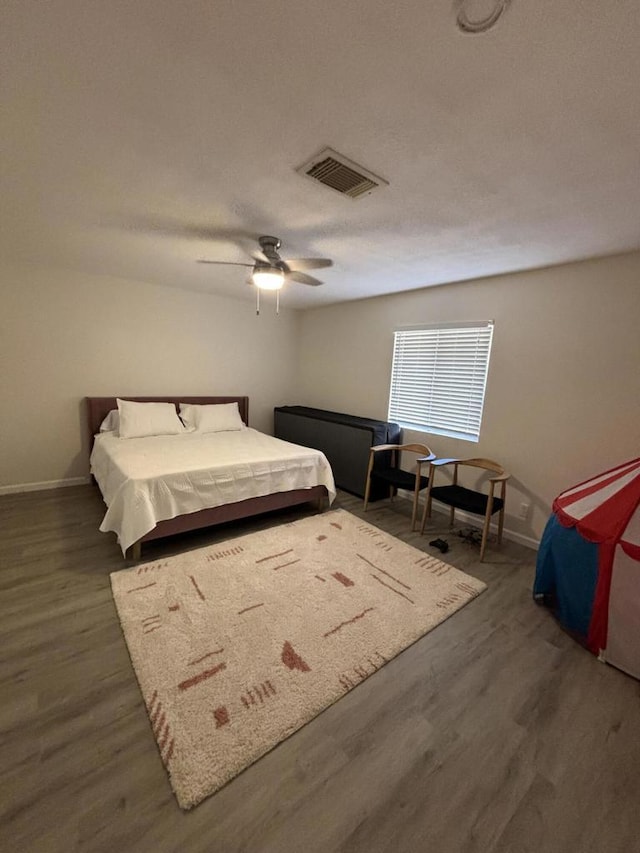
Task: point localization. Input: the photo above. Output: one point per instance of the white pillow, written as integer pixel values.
(111, 423)
(140, 419)
(217, 417)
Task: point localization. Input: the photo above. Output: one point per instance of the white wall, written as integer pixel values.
(563, 393)
(66, 335)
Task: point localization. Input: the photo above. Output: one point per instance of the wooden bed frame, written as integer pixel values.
(99, 407)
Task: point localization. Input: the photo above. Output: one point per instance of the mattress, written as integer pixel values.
(147, 480)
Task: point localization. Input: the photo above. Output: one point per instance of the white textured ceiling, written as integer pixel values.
(138, 136)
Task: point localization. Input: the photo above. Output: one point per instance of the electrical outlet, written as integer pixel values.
(524, 510)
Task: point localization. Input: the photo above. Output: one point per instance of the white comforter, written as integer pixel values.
(147, 480)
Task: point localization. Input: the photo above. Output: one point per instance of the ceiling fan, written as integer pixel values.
(270, 271)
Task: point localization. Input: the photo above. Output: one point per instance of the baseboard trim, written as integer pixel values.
(476, 521)
(442, 509)
(43, 485)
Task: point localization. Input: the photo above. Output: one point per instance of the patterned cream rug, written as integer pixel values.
(237, 645)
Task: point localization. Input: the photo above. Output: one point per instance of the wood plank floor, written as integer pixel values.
(495, 733)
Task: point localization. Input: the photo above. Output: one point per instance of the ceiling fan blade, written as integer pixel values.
(260, 257)
(224, 263)
(303, 278)
(309, 263)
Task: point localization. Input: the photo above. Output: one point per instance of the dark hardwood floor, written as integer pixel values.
(495, 733)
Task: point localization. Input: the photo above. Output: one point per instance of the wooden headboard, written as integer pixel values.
(99, 407)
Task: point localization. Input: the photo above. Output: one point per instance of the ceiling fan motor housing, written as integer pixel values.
(270, 246)
(273, 265)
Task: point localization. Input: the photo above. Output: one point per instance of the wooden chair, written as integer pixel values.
(459, 497)
(395, 477)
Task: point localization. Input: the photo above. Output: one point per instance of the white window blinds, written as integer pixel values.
(439, 376)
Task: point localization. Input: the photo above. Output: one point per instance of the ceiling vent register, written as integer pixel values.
(341, 174)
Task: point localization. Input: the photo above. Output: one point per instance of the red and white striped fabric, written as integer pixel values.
(606, 510)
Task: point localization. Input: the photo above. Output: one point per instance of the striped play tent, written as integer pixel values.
(588, 566)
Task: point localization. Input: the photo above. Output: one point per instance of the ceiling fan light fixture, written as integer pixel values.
(268, 278)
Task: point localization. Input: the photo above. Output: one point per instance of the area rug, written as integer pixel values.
(237, 645)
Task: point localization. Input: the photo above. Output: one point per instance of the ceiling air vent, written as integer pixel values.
(341, 174)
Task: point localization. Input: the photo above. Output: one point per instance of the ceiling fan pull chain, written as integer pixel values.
(257, 301)
(277, 301)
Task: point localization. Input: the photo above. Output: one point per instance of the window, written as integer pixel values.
(439, 376)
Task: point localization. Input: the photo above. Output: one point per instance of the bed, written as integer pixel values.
(162, 485)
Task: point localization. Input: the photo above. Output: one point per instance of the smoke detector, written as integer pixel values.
(474, 24)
